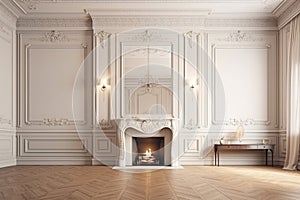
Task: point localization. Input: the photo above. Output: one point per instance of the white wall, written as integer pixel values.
(55, 94)
(243, 61)
(50, 55)
(7, 87)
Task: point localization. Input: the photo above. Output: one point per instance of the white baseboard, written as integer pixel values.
(8, 163)
(104, 163)
(228, 161)
(53, 161)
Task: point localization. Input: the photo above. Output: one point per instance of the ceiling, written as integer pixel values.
(24, 8)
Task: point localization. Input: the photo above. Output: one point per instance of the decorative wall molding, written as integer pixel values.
(5, 33)
(30, 4)
(5, 121)
(191, 37)
(147, 125)
(285, 4)
(191, 125)
(232, 121)
(289, 14)
(57, 37)
(54, 36)
(263, 24)
(269, 4)
(105, 146)
(192, 145)
(195, 109)
(55, 23)
(7, 17)
(56, 121)
(146, 36)
(105, 124)
(240, 36)
(51, 142)
(182, 21)
(239, 122)
(102, 36)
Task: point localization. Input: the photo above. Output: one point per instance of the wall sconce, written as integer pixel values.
(193, 83)
(103, 84)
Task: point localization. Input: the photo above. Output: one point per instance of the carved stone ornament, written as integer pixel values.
(191, 36)
(240, 36)
(145, 126)
(102, 35)
(105, 124)
(146, 36)
(54, 36)
(239, 122)
(31, 4)
(190, 125)
(56, 122)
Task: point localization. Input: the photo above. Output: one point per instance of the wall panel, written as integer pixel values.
(55, 97)
(54, 71)
(243, 72)
(7, 88)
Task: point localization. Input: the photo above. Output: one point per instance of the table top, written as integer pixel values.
(258, 146)
(243, 144)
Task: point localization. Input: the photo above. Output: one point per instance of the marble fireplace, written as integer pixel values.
(149, 138)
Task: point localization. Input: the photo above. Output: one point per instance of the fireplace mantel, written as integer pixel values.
(147, 126)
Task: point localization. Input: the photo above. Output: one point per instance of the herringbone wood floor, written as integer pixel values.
(192, 182)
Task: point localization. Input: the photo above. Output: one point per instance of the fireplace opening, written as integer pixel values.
(148, 151)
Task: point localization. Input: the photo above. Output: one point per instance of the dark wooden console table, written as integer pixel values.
(237, 147)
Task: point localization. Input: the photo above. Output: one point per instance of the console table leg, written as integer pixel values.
(267, 157)
(218, 158)
(272, 158)
(215, 157)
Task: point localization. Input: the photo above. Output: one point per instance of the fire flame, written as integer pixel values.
(148, 152)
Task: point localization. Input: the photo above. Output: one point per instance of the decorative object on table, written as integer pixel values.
(222, 140)
(240, 132)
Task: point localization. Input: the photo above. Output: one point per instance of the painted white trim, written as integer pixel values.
(8, 162)
(290, 13)
(53, 161)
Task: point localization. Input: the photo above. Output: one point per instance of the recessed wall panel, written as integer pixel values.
(51, 77)
(241, 83)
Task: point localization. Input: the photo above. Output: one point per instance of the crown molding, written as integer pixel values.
(194, 6)
(282, 7)
(82, 23)
(112, 22)
(148, 11)
(7, 16)
(289, 13)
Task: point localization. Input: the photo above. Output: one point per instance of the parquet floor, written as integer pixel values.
(192, 182)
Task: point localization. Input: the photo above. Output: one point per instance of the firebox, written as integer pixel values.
(148, 151)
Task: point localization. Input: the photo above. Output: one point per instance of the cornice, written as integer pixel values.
(7, 17)
(181, 21)
(289, 14)
(154, 11)
(282, 7)
(54, 23)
